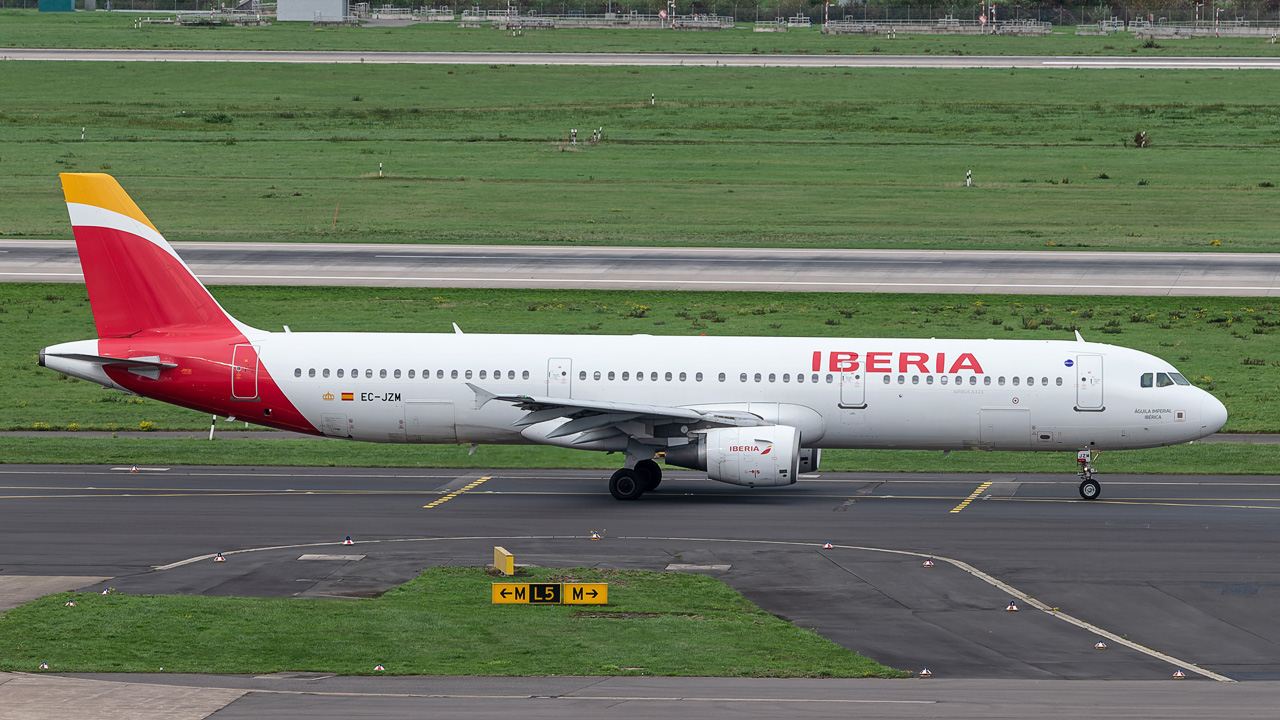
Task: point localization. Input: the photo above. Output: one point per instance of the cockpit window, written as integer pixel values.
(1146, 379)
(1177, 377)
(1163, 380)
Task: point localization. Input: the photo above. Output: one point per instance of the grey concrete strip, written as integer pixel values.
(643, 59)
(50, 697)
(702, 268)
(18, 590)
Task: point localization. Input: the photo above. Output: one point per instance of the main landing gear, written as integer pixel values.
(630, 484)
(1089, 488)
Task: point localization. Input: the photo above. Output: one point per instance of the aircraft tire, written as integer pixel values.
(1090, 489)
(626, 484)
(650, 473)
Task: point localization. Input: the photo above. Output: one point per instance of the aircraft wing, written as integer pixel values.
(596, 419)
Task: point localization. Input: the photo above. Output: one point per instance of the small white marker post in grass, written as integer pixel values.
(81, 133)
(379, 170)
(968, 178)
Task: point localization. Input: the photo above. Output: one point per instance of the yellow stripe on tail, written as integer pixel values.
(101, 190)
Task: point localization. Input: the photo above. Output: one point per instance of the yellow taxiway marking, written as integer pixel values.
(972, 496)
(456, 493)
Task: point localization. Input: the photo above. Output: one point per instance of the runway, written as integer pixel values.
(1182, 566)
(661, 268)
(649, 59)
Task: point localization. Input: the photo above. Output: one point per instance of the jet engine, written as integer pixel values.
(763, 456)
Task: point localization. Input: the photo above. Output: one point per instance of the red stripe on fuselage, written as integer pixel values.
(202, 379)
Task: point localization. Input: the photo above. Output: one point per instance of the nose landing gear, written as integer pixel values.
(1089, 488)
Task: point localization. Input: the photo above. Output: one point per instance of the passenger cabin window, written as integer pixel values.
(582, 374)
(683, 377)
(440, 374)
(368, 373)
(596, 375)
(698, 377)
(773, 377)
(830, 378)
(742, 377)
(297, 372)
(468, 374)
(396, 374)
(382, 373)
(758, 378)
(986, 380)
(942, 380)
(928, 379)
(483, 373)
(668, 377)
(626, 376)
(653, 377)
(610, 374)
(1059, 382)
(525, 375)
(311, 372)
(887, 380)
(453, 374)
(324, 372)
(1015, 381)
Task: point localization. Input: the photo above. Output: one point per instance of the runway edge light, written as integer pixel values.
(44, 666)
(928, 563)
(1179, 674)
(1099, 645)
(826, 546)
(379, 668)
(219, 558)
(348, 541)
(1013, 606)
(71, 603)
(925, 673)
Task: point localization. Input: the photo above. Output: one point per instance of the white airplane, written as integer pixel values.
(749, 411)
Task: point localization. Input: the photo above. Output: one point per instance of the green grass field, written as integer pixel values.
(1227, 345)
(441, 623)
(115, 30)
(730, 157)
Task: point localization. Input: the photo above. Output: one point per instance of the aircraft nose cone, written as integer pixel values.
(1213, 414)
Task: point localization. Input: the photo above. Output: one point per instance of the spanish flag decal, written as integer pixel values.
(348, 396)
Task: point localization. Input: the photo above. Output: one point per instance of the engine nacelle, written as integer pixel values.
(763, 456)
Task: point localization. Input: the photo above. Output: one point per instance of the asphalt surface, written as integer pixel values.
(646, 59)
(940, 271)
(1183, 566)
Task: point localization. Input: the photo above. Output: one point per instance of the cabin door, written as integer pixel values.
(244, 372)
(560, 377)
(1089, 382)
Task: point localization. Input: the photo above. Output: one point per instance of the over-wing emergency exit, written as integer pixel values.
(749, 411)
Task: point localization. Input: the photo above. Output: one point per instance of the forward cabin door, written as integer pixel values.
(560, 377)
(1089, 382)
(244, 372)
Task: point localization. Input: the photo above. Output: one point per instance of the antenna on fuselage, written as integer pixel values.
(458, 331)
(1078, 338)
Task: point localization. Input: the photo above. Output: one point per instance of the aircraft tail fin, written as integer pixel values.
(136, 282)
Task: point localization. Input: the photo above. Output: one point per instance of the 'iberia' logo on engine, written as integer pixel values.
(903, 362)
(746, 448)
